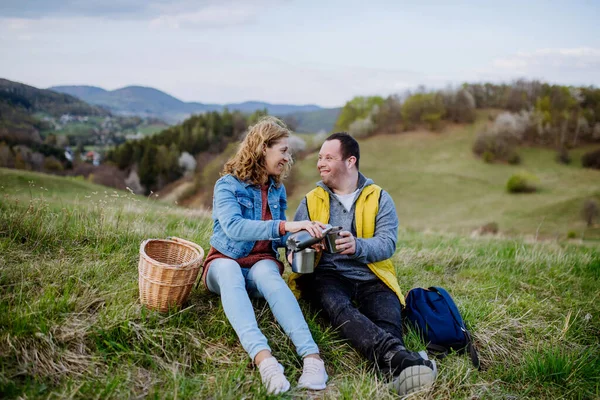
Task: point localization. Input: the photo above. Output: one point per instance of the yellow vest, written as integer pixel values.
(367, 206)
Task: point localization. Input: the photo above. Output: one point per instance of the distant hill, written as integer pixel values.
(19, 103)
(147, 101)
(47, 101)
(315, 121)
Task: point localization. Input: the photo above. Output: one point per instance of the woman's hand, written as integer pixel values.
(313, 227)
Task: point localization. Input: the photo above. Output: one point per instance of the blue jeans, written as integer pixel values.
(236, 285)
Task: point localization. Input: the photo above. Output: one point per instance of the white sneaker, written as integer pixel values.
(271, 373)
(314, 375)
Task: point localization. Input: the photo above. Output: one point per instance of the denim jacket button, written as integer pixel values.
(274, 206)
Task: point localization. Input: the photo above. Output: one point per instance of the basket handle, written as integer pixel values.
(192, 244)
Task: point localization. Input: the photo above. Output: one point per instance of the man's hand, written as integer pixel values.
(346, 242)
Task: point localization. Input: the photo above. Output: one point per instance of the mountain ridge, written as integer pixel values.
(149, 101)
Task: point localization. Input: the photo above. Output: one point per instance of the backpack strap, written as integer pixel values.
(437, 350)
(472, 351)
(470, 347)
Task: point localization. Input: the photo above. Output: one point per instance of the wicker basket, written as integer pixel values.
(168, 269)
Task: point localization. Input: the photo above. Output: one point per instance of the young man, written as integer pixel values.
(357, 287)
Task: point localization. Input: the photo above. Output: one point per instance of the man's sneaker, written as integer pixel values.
(413, 379)
(271, 373)
(314, 375)
(424, 355)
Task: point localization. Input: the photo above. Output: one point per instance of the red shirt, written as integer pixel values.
(262, 249)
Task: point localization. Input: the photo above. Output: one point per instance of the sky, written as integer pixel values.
(296, 52)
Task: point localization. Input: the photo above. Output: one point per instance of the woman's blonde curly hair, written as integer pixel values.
(248, 164)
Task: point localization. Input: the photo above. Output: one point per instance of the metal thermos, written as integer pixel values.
(303, 261)
(303, 239)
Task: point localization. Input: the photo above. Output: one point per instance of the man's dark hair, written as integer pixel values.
(349, 145)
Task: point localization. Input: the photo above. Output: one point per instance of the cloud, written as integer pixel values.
(169, 12)
(211, 16)
(568, 65)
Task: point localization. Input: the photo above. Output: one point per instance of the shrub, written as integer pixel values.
(491, 228)
(423, 108)
(460, 105)
(500, 147)
(591, 159)
(521, 183)
(590, 211)
(488, 156)
(7, 159)
(514, 159)
(357, 108)
(571, 235)
(562, 156)
(52, 164)
(187, 162)
(361, 128)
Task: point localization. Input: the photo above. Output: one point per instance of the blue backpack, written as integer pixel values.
(437, 319)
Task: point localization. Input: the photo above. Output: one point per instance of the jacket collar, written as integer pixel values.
(363, 182)
(248, 183)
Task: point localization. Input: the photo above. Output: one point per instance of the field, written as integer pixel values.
(71, 325)
(439, 185)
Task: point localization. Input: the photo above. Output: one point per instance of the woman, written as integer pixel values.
(248, 225)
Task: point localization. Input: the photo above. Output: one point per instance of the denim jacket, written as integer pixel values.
(237, 212)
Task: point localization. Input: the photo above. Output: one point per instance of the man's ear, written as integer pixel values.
(351, 161)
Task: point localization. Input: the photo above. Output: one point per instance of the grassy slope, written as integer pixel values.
(71, 325)
(438, 184)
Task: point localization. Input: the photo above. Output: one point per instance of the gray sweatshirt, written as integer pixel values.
(380, 247)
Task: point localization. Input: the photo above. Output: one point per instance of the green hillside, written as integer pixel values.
(438, 184)
(20, 106)
(71, 324)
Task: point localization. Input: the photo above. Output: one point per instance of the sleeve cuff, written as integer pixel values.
(282, 228)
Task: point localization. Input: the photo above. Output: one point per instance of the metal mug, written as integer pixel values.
(330, 240)
(304, 261)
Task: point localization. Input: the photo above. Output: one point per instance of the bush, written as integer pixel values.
(488, 157)
(562, 156)
(460, 106)
(492, 147)
(522, 183)
(571, 235)
(590, 211)
(357, 108)
(52, 164)
(361, 128)
(514, 159)
(423, 108)
(591, 159)
(491, 228)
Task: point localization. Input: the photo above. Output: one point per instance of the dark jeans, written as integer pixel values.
(368, 314)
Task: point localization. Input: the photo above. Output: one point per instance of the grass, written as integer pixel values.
(151, 129)
(71, 324)
(439, 185)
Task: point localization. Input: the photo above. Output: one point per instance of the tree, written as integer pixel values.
(147, 168)
(358, 107)
(590, 211)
